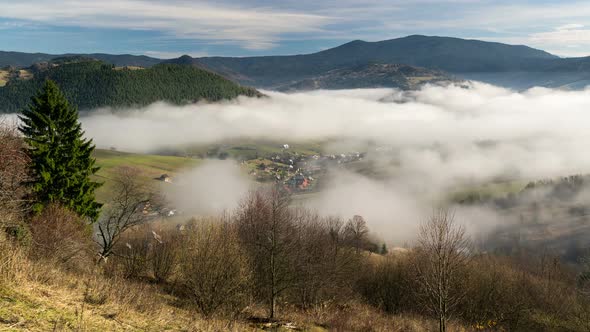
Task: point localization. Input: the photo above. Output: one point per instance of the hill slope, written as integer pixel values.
(514, 66)
(370, 76)
(441, 53)
(92, 84)
(21, 59)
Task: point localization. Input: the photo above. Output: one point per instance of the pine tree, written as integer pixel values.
(61, 159)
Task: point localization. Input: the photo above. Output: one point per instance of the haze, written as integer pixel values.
(439, 138)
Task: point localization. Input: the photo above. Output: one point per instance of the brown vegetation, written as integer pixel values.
(13, 172)
(266, 266)
(214, 271)
(124, 211)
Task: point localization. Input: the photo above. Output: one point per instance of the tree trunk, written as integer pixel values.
(272, 306)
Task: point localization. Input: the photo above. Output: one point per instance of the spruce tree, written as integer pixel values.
(61, 159)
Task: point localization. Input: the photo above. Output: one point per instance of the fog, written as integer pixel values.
(213, 187)
(441, 139)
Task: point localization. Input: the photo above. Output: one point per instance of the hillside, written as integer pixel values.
(514, 66)
(442, 53)
(21, 59)
(370, 76)
(92, 84)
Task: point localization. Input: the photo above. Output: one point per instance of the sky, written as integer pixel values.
(170, 28)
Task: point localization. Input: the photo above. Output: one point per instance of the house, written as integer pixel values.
(299, 181)
(165, 178)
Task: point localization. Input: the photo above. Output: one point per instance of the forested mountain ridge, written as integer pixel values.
(22, 59)
(452, 55)
(90, 84)
(375, 75)
(514, 66)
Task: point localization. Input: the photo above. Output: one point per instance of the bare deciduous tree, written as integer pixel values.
(356, 232)
(124, 211)
(267, 229)
(442, 252)
(311, 261)
(13, 173)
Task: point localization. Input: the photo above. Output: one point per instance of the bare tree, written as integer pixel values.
(125, 210)
(356, 232)
(442, 253)
(311, 261)
(266, 227)
(584, 277)
(13, 174)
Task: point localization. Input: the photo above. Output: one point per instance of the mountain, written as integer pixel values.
(515, 66)
(453, 55)
(375, 75)
(91, 84)
(20, 59)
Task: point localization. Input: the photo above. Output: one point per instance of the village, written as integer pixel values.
(296, 172)
(291, 170)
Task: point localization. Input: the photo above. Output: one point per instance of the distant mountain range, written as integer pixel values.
(21, 60)
(514, 66)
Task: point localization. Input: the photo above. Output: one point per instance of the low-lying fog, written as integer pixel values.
(442, 137)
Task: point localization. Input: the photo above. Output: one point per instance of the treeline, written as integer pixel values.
(92, 84)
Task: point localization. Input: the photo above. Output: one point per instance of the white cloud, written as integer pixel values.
(253, 28)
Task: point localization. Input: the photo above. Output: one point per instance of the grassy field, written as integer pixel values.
(488, 190)
(149, 166)
(3, 77)
(247, 149)
(25, 74)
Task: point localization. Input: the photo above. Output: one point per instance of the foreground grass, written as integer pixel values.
(66, 302)
(65, 306)
(48, 296)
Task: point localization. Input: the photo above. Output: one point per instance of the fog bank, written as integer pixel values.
(438, 138)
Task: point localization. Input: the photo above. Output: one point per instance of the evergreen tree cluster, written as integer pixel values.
(92, 84)
(61, 158)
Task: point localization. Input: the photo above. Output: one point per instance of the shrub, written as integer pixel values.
(133, 253)
(13, 260)
(163, 255)
(61, 236)
(214, 272)
(388, 284)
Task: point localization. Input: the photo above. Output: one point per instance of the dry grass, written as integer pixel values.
(42, 297)
(24, 74)
(37, 296)
(355, 316)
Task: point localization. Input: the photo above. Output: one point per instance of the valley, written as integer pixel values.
(294, 166)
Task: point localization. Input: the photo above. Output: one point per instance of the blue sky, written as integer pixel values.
(263, 27)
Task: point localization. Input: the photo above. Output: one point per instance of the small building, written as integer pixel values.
(165, 178)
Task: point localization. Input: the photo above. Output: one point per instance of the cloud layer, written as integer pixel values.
(230, 27)
(427, 143)
(252, 28)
